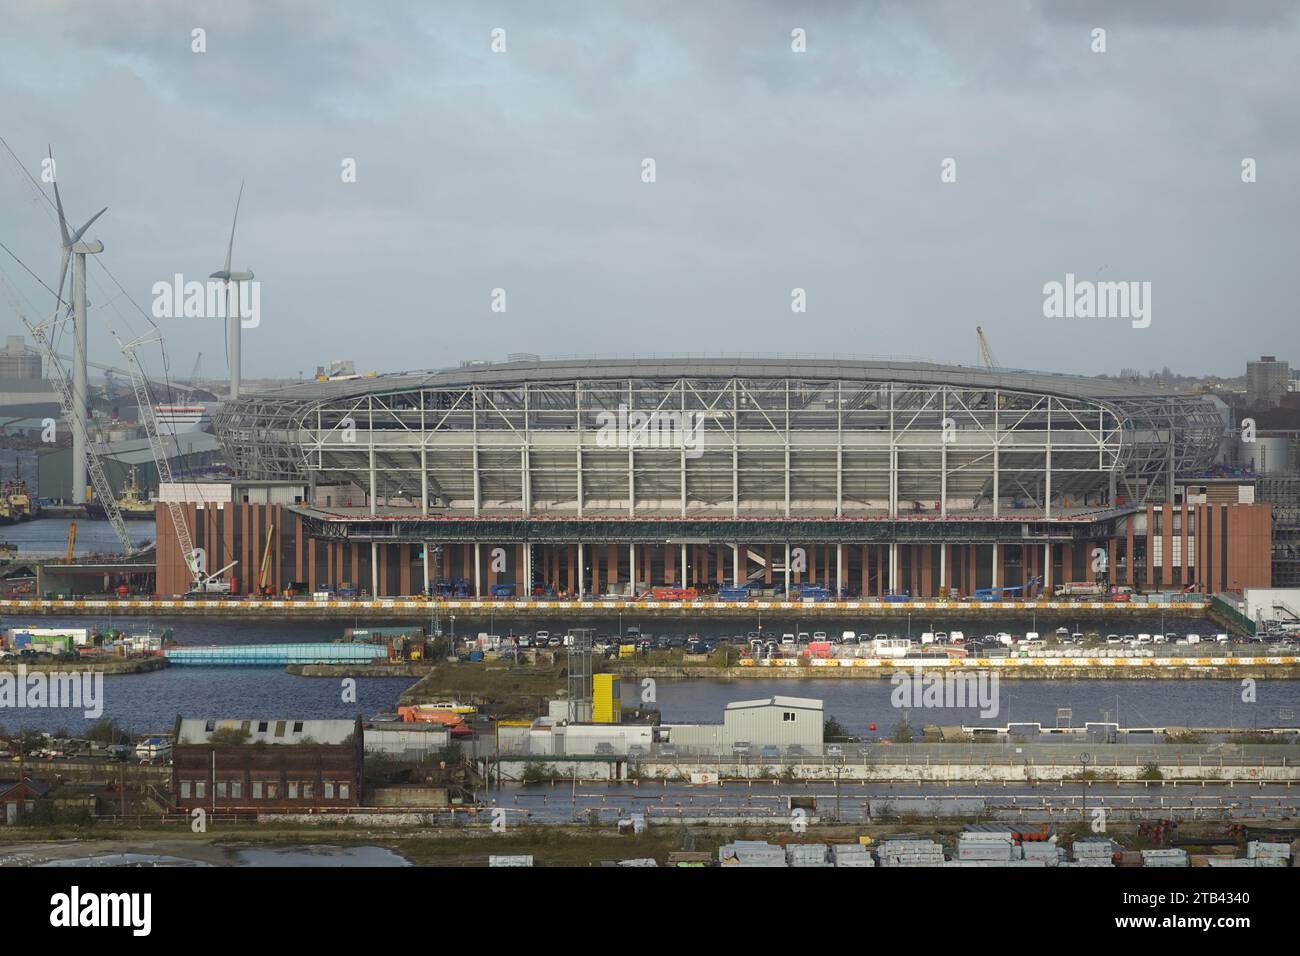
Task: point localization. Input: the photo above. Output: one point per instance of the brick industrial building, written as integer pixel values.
(280, 765)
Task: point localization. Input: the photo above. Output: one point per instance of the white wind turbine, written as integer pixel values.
(77, 250)
(232, 280)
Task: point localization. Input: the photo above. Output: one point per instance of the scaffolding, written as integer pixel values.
(766, 439)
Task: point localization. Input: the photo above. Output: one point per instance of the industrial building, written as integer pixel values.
(191, 452)
(790, 724)
(780, 722)
(267, 764)
(608, 476)
(24, 391)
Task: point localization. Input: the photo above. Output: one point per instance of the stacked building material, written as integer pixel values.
(1170, 857)
(1269, 854)
(639, 861)
(999, 846)
(806, 854)
(851, 854)
(495, 860)
(751, 853)
(1030, 863)
(1049, 853)
(1095, 852)
(910, 853)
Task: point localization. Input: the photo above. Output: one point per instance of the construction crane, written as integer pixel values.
(194, 559)
(986, 353)
(266, 560)
(194, 375)
(72, 540)
(75, 417)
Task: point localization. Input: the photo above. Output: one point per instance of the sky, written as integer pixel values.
(524, 170)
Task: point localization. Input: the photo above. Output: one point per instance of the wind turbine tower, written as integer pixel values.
(232, 280)
(77, 250)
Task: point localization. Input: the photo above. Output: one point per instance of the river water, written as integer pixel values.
(48, 537)
(147, 703)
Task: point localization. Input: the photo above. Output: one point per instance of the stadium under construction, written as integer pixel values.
(602, 476)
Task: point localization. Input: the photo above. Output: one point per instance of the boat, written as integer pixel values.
(131, 503)
(18, 500)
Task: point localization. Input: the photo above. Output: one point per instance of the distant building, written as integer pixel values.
(18, 361)
(281, 765)
(19, 797)
(1267, 380)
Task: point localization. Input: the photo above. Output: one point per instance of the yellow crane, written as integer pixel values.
(266, 560)
(986, 353)
(72, 539)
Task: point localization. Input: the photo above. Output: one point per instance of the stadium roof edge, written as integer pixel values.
(595, 368)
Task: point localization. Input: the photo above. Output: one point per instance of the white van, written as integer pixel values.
(787, 640)
(927, 637)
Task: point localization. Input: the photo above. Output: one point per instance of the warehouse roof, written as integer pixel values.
(805, 703)
(650, 367)
(197, 730)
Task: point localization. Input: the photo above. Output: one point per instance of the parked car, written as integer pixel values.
(741, 748)
(667, 750)
(604, 749)
(771, 753)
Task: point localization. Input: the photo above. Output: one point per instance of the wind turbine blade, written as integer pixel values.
(89, 222)
(58, 202)
(63, 276)
(231, 245)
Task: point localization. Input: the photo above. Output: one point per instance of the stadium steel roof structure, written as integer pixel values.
(702, 437)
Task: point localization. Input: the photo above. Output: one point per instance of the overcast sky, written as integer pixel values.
(775, 170)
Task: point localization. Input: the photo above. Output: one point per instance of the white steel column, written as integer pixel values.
(787, 551)
(582, 570)
(737, 569)
(943, 567)
(478, 570)
(426, 568)
(374, 569)
(684, 578)
(839, 570)
(893, 568)
(1047, 568)
(424, 478)
(997, 565)
(631, 561)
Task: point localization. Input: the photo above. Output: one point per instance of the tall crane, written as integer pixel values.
(75, 417)
(986, 353)
(148, 419)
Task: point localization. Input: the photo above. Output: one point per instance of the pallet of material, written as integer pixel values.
(1164, 858)
(851, 854)
(751, 853)
(1258, 849)
(910, 853)
(806, 854)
